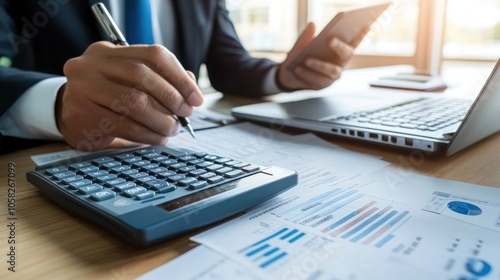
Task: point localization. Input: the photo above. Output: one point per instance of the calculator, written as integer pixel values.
(150, 194)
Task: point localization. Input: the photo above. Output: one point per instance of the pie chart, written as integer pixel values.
(464, 208)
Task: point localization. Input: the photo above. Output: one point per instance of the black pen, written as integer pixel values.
(117, 38)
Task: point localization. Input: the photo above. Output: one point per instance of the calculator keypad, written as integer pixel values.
(146, 173)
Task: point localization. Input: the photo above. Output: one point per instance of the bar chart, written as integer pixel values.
(350, 215)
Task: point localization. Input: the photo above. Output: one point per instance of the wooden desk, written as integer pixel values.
(51, 243)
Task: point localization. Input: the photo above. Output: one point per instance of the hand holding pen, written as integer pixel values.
(113, 95)
(117, 38)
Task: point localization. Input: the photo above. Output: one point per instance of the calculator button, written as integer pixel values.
(186, 169)
(159, 159)
(114, 182)
(215, 179)
(204, 164)
(132, 160)
(102, 195)
(79, 165)
(55, 170)
(207, 175)
(62, 175)
(129, 172)
(214, 167)
(140, 163)
(187, 158)
(224, 170)
(168, 162)
(233, 174)
(144, 151)
(222, 160)
(134, 191)
(198, 185)
(187, 181)
(124, 186)
(149, 167)
(96, 174)
(197, 172)
(177, 166)
(88, 169)
(151, 156)
(71, 179)
(250, 168)
(176, 178)
(210, 157)
(124, 156)
(160, 186)
(111, 165)
(196, 161)
(241, 165)
(165, 175)
(90, 189)
(145, 195)
(143, 180)
(108, 177)
(101, 161)
(158, 170)
(78, 184)
(137, 175)
(201, 154)
(120, 169)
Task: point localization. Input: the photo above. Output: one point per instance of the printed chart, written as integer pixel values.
(350, 215)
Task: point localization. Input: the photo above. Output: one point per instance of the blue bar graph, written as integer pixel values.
(384, 241)
(362, 225)
(374, 226)
(272, 248)
(297, 237)
(251, 253)
(289, 234)
(269, 262)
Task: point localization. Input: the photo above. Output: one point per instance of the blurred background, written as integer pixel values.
(428, 34)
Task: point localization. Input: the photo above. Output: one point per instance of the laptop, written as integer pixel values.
(433, 124)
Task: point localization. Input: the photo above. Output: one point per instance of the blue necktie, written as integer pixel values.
(138, 22)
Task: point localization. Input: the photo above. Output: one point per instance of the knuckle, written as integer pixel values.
(158, 52)
(137, 101)
(137, 69)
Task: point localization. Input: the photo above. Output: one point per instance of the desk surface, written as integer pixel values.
(52, 243)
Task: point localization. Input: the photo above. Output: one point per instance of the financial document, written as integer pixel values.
(350, 217)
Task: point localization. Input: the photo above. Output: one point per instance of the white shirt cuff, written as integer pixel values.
(32, 116)
(270, 86)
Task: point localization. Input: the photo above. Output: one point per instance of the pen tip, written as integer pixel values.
(190, 130)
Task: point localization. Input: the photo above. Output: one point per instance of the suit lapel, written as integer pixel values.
(192, 21)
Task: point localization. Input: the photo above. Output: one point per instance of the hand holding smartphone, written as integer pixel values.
(346, 26)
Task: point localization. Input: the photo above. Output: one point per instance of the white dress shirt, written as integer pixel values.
(32, 116)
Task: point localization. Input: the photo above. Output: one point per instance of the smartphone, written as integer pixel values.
(346, 25)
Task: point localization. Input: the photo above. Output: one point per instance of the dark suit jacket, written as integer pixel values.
(40, 36)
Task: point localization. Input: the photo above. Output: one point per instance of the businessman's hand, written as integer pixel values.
(315, 74)
(131, 93)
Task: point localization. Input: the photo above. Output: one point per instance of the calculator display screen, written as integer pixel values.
(198, 196)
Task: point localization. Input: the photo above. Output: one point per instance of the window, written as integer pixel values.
(472, 31)
(423, 33)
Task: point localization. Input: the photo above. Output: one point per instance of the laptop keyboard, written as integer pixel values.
(427, 114)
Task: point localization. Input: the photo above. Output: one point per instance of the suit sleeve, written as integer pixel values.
(13, 82)
(230, 67)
